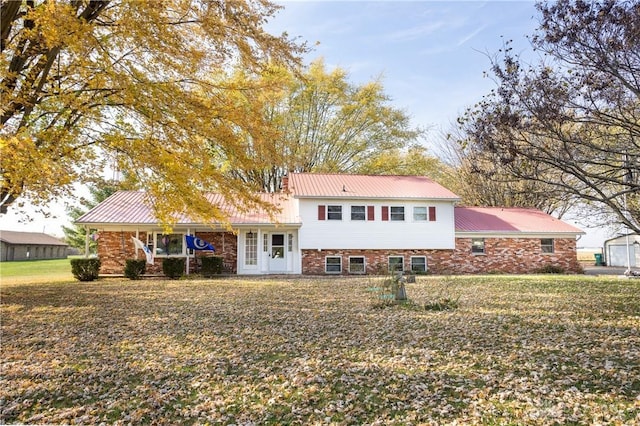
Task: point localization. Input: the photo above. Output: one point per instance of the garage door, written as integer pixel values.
(617, 255)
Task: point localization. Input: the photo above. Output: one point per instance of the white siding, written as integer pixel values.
(377, 234)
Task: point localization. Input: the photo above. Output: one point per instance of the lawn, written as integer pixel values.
(35, 271)
(517, 350)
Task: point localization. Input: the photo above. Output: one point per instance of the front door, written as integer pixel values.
(277, 260)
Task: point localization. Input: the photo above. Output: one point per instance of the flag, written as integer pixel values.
(139, 244)
(196, 243)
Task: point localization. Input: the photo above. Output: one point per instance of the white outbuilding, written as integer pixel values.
(616, 254)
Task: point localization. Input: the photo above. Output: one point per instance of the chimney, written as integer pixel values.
(285, 184)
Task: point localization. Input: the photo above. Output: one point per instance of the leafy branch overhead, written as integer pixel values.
(323, 123)
(146, 85)
(572, 121)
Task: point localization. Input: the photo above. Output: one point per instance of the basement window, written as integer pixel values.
(333, 264)
(356, 265)
(396, 263)
(418, 264)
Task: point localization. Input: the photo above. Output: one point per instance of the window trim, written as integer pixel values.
(364, 265)
(254, 248)
(418, 257)
(389, 264)
(326, 258)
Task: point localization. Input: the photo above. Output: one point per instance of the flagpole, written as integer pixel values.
(134, 246)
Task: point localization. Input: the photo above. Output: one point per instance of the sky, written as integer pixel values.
(430, 56)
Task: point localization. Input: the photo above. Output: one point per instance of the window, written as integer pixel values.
(251, 248)
(333, 264)
(265, 242)
(547, 245)
(356, 265)
(396, 263)
(289, 242)
(334, 212)
(358, 213)
(169, 244)
(397, 213)
(420, 214)
(418, 264)
(477, 246)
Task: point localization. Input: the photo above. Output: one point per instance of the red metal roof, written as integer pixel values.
(130, 207)
(499, 219)
(315, 185)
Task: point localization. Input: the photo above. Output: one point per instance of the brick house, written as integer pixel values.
(347, 224)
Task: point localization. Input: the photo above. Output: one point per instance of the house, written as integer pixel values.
(616, 254)
(30, 246)
(346, 224)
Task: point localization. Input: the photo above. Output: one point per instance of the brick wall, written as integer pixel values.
(114, 248)
(506, 255)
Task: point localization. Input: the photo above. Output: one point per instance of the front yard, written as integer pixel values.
(517, 350)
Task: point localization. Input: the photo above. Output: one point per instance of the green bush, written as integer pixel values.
(211, 265)
(173, 267)
(85, 269)
(134, 268)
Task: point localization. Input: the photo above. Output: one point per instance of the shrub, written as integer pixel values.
(85, 269)
(211, 265)
(550, 269)
(134, 268)
(444, 304)
(173, 267)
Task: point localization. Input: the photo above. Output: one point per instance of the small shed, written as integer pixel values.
(615, 251)
(16, 245)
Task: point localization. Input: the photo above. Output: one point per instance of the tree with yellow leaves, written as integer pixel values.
(149, 84)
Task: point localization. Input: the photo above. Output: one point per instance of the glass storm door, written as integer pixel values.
(277, 252)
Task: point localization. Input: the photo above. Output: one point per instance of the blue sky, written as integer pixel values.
(431, 57)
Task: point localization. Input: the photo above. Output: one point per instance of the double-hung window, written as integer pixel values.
(358, 213)
(420, 214)
(396, 213)
(546, 244)
(334, 212)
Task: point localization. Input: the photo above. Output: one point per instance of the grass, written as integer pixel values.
(35, 271)
(516, 350)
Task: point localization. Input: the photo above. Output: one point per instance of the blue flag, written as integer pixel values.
(196, 243)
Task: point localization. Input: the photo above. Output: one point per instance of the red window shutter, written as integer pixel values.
(385, 212)
(432, 214)
(322, 212)
(371, 213)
